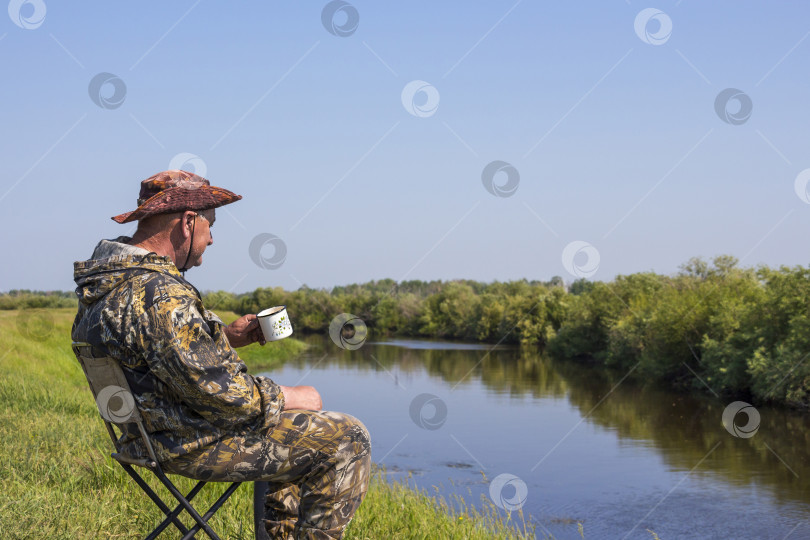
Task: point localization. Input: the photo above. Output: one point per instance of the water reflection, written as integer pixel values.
(683, 429)
(504, 370)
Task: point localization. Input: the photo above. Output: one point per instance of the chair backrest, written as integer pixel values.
(114, 398)
(110, 388)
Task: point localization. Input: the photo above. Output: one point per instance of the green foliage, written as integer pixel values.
(512, 312)
(583, 333)
(447, 312)
(581, 286)
(741, 332)
(26, 299)
(711, 327)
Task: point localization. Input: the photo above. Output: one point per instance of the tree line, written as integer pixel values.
(27, 299)
(713, 326)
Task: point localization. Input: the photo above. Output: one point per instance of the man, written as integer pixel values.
(209, 418)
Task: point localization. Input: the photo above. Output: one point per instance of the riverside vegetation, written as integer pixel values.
(712, 327)
(59, 480)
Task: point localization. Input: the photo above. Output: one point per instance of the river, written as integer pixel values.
(567, 443)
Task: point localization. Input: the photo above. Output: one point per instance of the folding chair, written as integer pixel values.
(116, 405)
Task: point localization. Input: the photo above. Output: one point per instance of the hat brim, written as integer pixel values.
(177, 199)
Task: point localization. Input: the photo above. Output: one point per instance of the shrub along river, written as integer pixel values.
(567, 443)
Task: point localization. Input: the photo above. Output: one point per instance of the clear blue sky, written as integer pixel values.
(617, 141)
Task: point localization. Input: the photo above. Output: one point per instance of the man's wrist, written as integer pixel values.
(227, 331)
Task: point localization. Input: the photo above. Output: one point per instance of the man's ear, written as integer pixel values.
(187, 222)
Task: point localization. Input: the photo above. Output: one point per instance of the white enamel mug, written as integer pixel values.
(275, 323)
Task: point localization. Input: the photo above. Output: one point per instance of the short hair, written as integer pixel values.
(158, 222)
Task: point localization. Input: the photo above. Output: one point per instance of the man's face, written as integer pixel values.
(202, 235)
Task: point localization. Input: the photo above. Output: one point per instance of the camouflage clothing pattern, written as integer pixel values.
(317, 464)
(189, 384)
(207, 417)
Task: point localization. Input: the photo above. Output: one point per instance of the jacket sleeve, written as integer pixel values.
(192, 357)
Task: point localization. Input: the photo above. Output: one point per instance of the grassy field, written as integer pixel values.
(58, 480)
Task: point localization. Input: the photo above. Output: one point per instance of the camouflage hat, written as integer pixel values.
(176, 191)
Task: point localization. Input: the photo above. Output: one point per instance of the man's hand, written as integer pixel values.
(301, 397)
(244, 331)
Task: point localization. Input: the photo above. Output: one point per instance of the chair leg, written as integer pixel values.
(155, 499)
(259, 496)
(184, 503)
(176, 512)
(211, 511)
(190, 509)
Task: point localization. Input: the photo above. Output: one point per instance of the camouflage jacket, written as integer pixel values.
(189, 384)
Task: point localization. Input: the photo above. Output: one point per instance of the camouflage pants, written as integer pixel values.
(317, 464)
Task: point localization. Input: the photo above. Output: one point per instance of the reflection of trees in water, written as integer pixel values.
(511, 371)
(682, 428)
(685, 428)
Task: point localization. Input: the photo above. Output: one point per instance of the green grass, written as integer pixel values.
(58, 480)
(397, 510)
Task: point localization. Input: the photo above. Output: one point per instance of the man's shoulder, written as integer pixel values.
(157, 288)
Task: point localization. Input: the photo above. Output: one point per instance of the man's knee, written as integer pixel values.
(325, 432)
(358, 433)
(354, 447)
(339, 426)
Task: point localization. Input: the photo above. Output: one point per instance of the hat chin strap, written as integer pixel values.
(191, 245)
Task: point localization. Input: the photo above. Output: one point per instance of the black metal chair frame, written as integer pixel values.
(106, 379)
